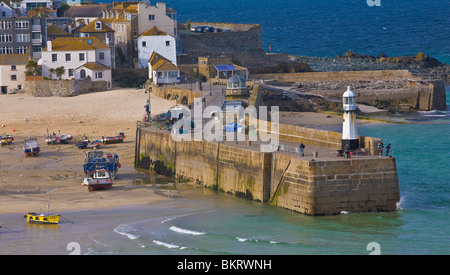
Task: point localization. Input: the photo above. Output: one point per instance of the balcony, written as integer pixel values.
(36, 41)
(36, 28)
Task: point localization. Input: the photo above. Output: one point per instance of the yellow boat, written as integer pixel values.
(42, 218)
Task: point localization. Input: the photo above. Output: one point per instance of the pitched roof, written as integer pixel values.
(76, 44)
(153, 31)
(164, 65)
(94, 66)
(91, 27)
(91, 10)
(155, 57)
(14, 59)
(57, 31)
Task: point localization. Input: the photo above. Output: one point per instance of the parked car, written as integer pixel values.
(218, 30)
(200, 29)
(209, 29)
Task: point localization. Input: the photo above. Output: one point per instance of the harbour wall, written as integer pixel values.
(395, 89)
(319, 186)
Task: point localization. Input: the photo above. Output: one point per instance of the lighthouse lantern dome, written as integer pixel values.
(349, 100)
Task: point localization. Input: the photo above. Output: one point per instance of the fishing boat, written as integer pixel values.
(64, 139)
(94, 144)
(6, 139)
(83, 143)
(42, 218)
(100, 179)
(95, 159)
(116, 139)
(51, 139)
(31, 147)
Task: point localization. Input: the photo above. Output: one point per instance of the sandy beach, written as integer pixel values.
(28, 183)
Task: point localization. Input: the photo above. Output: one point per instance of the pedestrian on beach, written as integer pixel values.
(302, 148)
(347, 151)
(388, 148)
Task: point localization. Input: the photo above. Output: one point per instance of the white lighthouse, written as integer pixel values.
(349, 129)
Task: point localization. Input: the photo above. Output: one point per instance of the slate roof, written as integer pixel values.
(86, 10)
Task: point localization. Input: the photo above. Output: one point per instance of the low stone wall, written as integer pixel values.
(172, 92)
(62, 88)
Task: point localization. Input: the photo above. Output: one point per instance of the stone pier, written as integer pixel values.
(314, 185)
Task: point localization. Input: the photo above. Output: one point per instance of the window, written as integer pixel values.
(101, 55)
(151, 17)
(144, 44)
(21, 50)
(3, 14)
(81, 56)
(54, 57)
(82, 74)
(6, 50)
(23, 37)
(173, 74)
(98, 25)
(5, 25)
(5, 38)
(13, 68)
(19, 87)
(98, 74)
(70, 72)
(167, 43)
(22, 24)
(68, 57)
(13, 77)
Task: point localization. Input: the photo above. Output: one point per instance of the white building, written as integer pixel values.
(80, 56)
(162, 71)
(12, 71)
(155, 40)
(24, 6)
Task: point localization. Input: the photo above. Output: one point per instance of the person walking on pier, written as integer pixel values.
(347, 151)
(388, 148)
(302, 148)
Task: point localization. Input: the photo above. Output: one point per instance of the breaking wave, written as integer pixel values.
(125, 230)
(185, 231)
(169, 245)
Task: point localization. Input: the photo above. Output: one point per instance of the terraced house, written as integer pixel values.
(81, 57)
(130, 19)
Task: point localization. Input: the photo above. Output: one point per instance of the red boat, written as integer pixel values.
(116, 139)
(100, 179)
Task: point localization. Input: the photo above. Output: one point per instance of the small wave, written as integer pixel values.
(185, 231)
(344, 212)
(169, 245)
(124, 229)
(400, 203)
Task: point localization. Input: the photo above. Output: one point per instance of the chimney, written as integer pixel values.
(49, 45)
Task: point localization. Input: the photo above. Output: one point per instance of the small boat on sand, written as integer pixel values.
(42, 218)
(100, 179)
(6, 139)
(94, 144)
(64, 139)
(82, 143)
(116, 139)
(31, 147)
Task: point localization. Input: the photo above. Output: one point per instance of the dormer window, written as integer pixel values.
(98, 25)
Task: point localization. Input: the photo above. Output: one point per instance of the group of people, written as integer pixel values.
(381, 147)
(346, 150)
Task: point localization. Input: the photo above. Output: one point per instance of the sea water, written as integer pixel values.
(202, 221)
